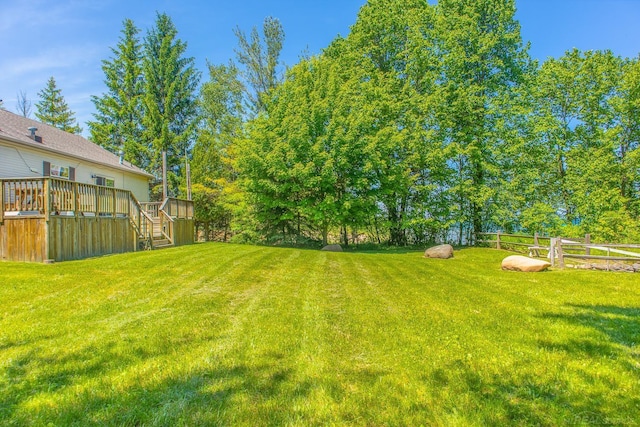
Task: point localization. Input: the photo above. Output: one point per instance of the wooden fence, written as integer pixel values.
(579, 253)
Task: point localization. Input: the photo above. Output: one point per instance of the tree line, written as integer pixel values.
(426, 123)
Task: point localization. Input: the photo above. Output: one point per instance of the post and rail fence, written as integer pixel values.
(580, 252)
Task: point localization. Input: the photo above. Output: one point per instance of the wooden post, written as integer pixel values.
(76, 206)
(560, 253)
(552, 252)
(1, 201)
(498, 246)
(188, 173)
(47, 199)
(97, 191)
(587, 242)
(164, 176)
(536, 243)
(114, 208)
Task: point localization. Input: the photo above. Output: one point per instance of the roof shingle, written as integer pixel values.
(15, 127)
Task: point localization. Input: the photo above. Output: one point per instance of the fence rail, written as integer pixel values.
(559, 249)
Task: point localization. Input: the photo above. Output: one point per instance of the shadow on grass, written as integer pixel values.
(621, 325)
(522, 399)
(36, 390)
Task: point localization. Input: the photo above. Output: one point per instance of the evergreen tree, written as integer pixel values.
(170, 103)
(52, 109)
(119, 116)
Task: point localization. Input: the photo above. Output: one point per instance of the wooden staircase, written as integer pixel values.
(162, 224)
(153, 225)
(159, 235)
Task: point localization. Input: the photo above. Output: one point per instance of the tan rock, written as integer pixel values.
(522, 263)
(442, 252)
(332, 248)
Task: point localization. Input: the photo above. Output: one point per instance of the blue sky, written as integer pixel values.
(68, 39)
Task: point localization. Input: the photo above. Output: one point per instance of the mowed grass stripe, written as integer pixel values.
(239, 335)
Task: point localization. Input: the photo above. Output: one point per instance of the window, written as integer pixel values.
(57, 171)
(105, 182)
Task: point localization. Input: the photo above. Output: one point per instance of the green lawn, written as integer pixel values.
(217, 334)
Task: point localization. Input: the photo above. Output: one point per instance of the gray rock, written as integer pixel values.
(442, 252)
(332, 248)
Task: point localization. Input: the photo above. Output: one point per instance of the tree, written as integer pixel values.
(393, 55)
(587, 120)
(52, 109)
(119, 116)
(483, 60)
(213, 174)
(260, 59)
(170, 103)
(23, 104)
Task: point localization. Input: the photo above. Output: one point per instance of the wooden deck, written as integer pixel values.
(46, 219)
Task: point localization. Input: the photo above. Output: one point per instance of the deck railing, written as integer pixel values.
(178, 208)
(22, 195)
(152, 208)
(58, 197)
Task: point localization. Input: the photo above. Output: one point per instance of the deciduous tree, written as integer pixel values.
(259, 57)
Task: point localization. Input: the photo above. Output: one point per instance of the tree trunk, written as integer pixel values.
(345, 236)
(325, 234)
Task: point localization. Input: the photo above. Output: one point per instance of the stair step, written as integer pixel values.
(161, 243)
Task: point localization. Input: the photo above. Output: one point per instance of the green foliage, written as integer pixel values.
(583, 121)
(170, 104)
(220, 334)
(119, 116)
(428, 122)
(216, 195)
(260, 58)
(482, 61)
(53, 110)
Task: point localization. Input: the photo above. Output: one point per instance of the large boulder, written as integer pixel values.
(332, 248)
(523, 263)
(442, 252)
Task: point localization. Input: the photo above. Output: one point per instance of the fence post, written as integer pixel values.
(76, 208)
(97, 199)
(47, 199)
(552, 251)
(560, 253)
(536, 243)
(498, 246)
(587, 242)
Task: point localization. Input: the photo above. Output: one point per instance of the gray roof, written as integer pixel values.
(15, 128)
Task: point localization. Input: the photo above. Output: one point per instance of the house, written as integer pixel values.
(27, 147)
(64, 197)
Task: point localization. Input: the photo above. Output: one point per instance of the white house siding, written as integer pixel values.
(23, 162)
